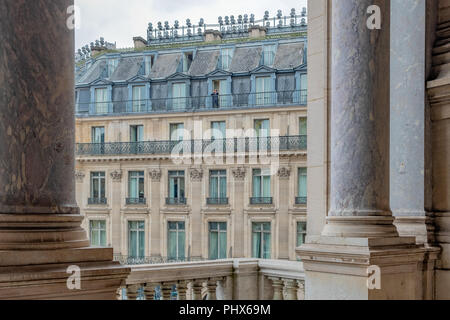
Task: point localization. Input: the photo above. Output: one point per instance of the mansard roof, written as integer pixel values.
(166, 65)
(205, 62)
(289, 55)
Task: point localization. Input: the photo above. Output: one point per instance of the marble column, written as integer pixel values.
(409, 192)
(359, 183)
(40, 222)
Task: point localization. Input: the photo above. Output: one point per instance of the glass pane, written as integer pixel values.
(102, 238)
(266, 187)
(182, 187)
(132, 243)
(141, 244)
(303, 126)
(266, 226)
(256, 186)
(256, 245)
(266, 248)
(213, 187)
(213, 245)
(222, 245)
(172, 245)
(223, 187)
(181, 244)
(102, 187)
(302, 182)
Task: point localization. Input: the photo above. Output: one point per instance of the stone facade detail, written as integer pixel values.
(116, 175)
(284, 173)
(79, 176)
(239, 173)
(196, 174)
(155, 175)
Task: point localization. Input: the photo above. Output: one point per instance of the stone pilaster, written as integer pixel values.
(196, 177)
(155, 202)
(283, 175)
(238, 216)
(360, 238)
(116, 205)
(40, 224)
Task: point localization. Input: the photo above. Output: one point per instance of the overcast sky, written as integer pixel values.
(120, 20)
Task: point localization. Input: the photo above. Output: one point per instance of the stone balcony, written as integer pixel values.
(230, 279)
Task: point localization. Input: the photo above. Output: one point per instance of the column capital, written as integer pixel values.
(155, 175)
(196, 174)
(284, 173)
(79, 176)
(239, 173)
(116, 175)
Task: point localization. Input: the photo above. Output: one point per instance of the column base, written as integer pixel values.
(372, 225)
(420, 227)
(338, 268)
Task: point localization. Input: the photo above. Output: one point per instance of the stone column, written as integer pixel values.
(359, 183)
(360, 237)
(40, 222)
(408, 187)
(196, 176)
(284, 173)
(238, 215)
(155, 236)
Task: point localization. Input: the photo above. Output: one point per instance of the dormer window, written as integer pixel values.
(148, 63)
(187, 60)
(268, 56)
(112, 65)
(226, 55)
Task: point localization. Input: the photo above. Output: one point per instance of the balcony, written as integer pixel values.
(269, 144)
(217, 201)
(97, 201)
(261, 200)
(132, 201)
(194, 104)
(175, 201)
(300, 200)
(216, 280)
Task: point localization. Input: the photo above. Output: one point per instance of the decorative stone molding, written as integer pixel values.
(196, 174)
(116, 175)
(284, 173)
(155, 175)
(79, 176)
(239, 173)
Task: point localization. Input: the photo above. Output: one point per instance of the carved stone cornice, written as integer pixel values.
(284, 173)
(196, 174)
(116, 175)
(155, 175)
(239, 173)
(79, 176)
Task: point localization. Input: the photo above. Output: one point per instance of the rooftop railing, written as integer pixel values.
(216, 280)
(194, 104)
(217, 146)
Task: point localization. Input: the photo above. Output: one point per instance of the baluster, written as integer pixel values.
(220, 291)
(301, 290)
(149, 291)
(119, 294)
(197, 287)
(211, 287)
(181, 290)
(166, 291)
(132, 292)
(277, 286)
(290, 286)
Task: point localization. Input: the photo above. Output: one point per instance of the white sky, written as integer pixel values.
(119, 20)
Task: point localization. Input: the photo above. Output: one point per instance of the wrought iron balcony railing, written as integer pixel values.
(97, 201)
(300, 200)
(269, 144)
(136, 201)
(200, 103)
(261, 200)
(176, 201)
(217, 201)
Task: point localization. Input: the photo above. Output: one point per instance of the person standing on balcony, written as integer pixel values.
(215, 98)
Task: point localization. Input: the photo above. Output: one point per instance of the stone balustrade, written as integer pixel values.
(230, 279)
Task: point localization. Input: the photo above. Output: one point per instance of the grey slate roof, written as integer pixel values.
(288, 56)
(165, 65)
(93, 73)
(127, 68)
(205, 62)
(245, 59)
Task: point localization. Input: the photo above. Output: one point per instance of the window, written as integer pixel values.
(139, 99)
(112, 65)
(302, 186)
(176, 241)
(148, 63)
(179, 96)
(137, 133)
(217, 240)
(101, 100)
(218, 187)
(97, 229)
(261, 240)
(261, 187)
(136, 239)
(226, 56)
(136, 187)
(303, 129)
(187, 60)
(262, 128)
(218, 130)
(224, 98)
(97, 188)
(264, 91)
(98, 135)
(176, 188)
(268, 55)
(176, 131)
(301, 233)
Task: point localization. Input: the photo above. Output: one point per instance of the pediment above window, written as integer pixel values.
(263, 69)
(219, 73)
(101, 82)
(178, 76)
(137, 78)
